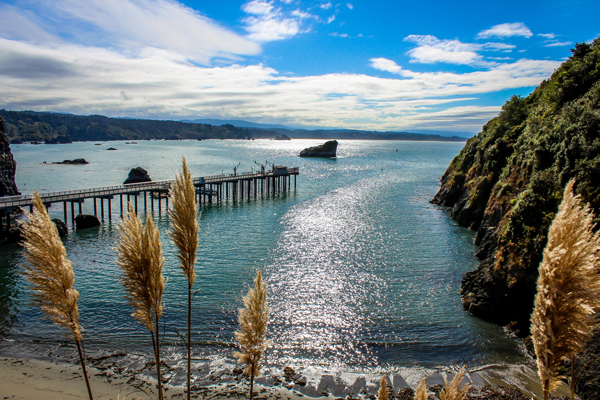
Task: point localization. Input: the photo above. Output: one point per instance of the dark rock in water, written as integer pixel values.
(328, 149)
(8, 166)
(13, 235)
(137, 175)
(83, 221)
(282, 137)
(16, 141)
(77, 161)
(61, 227)
(111, 148)
(59, 140)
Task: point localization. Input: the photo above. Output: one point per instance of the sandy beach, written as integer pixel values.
(30, 379)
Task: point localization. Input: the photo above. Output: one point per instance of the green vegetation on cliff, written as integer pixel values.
(507, 183)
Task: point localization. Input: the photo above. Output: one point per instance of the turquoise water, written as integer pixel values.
(362, 271)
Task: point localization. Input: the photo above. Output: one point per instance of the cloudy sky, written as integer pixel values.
(362, 64)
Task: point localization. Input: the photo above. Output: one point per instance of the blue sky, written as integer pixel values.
(376, 65)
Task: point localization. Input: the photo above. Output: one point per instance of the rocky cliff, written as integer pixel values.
(8, 166)
(507, 183)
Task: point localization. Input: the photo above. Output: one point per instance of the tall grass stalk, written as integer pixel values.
(382, 394)
(252, 332)
(51, 275)
(452, 389)
(140, 258)
(421, 393)
(184, 234)
(568, 290)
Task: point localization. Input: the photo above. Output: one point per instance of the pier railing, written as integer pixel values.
(9, 202)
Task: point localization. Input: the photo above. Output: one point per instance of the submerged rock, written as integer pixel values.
(83, 221)
(137, 175)
(77, 161)
(327, 149)
(8, 166)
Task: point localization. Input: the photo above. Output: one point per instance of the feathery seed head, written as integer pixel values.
(140, 257)
(452, 390)
(568, 287)
(421, 393)
(184, 233)
(382, 393)
(48, 270)
(253, 320)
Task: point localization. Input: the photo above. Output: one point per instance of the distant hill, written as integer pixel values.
(64, 128)
(235, 122)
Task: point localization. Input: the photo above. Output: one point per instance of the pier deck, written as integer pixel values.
(208, 189)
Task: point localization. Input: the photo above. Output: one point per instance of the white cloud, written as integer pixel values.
(350, 6)
(331, 19)
(325, 6)
(557, 44)
(497, 46)
(432, 50)
(157, 84)
(303, 14)
(383, 64)
(258, 7)
(131, 26)
(506, 30)
(547, 35)
(268, 23)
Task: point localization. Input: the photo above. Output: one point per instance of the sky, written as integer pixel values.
(357, 64)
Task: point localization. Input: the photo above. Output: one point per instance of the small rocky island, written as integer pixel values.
(77, 161)
(327, 150)
(137, 175)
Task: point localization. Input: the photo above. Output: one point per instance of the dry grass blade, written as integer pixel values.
(568, 288)
(421, 393)
(251, 336)
(184, 220)
(140, 258)
(184, 235)
(51, 275)
(382, 394)
(452, 389)
(49, 271)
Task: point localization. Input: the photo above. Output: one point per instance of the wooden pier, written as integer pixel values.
(209, 189)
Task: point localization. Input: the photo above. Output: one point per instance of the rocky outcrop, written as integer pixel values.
(327, 150)
(507, 182)
(61, 227)
(282, 137)
(84, 221)
(77, 161)
(8, 166)
(137, 175)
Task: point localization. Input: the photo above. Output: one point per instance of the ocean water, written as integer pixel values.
(363, 273)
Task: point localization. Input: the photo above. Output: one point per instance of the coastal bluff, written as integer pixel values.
(326, 150)
(8, 166)
(507, 182)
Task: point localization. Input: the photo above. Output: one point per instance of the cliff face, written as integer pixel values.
(507, 183)
(8, 166)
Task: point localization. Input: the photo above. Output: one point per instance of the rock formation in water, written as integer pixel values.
(77, 161)
(8, 166)
(83, 221)
(137, 175)
(328, 150)
(61, 227)
(507, 183)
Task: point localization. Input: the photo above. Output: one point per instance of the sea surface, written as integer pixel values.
(362, 272)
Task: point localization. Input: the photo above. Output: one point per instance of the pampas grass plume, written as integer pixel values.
(140, 257)
(382, 394)
(421, 393)
(51, 274)
(568, 289)
(452, 390)
(184, 235)
(184, 220)
(252, 332)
